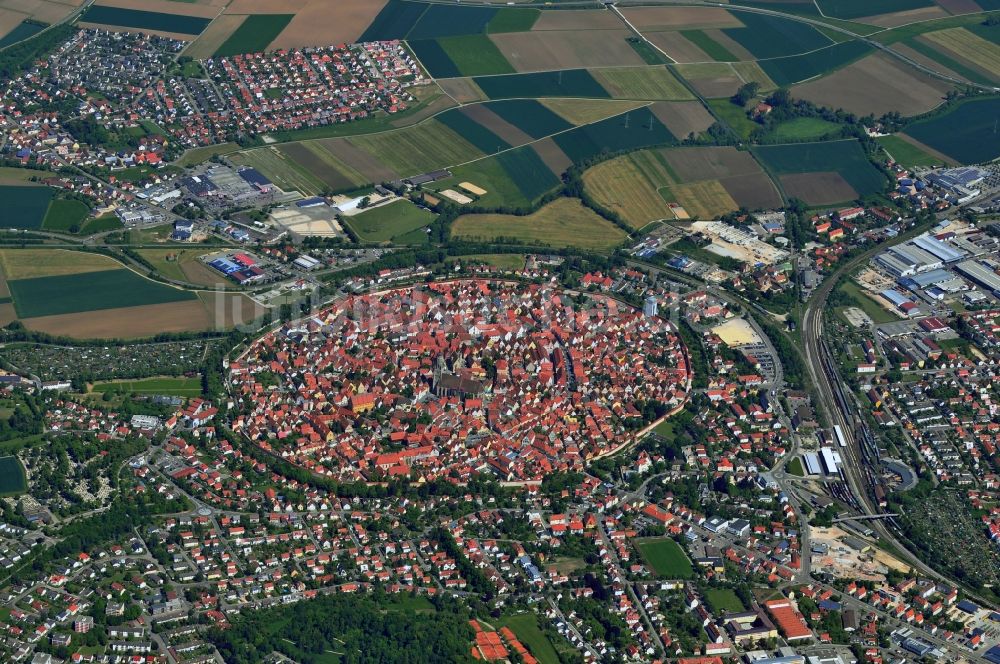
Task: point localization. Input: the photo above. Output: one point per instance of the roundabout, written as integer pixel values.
(458, 379)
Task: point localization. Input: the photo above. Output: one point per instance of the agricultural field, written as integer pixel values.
(12, 478)
(644, 83)
(975, 47)
(314, 158)
(735, 116)
(585, 111)
(417, 149)
(175, 23)
(23, 30)
(634, 129)
(32, 263)
(562, 83)
(24, 206)
(92, 291)
(394, 222)
(568, 49)
(280, 169)
(622, 186)
(254, 34)
(515, 177)
(665, 557)
(172, 386)
(565, 222)
(462, 55)
(879, 84)
(182, 265)
(196, 156)
(803, 128)
(906, 153)
(65, 214)
(766, 36)
(966, 133)
(822, 173)
(806, 66)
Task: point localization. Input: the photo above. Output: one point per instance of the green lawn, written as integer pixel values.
(906, 153)
(794, 467)
(722, 600)
(388, 222)
(180, 386)
(867, 304)
(106, 222)
(65, 214)
(665, 429)
(665, 557)
(525, 627)
(734, 116)
(803, 128)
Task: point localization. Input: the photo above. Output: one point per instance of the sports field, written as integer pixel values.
(665, 557)
(254, 34)
(565, 222)
(91, 291)
(24, 207)
(12, 478)
(173, 386)
(394, 222)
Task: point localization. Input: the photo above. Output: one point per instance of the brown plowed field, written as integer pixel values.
(902, 18)
(572, 19)
(358, 159)
(217, 32)
(711, 80)
(552, 155)
(753, 191)
(487, 118)
(677, 47)
(540, 51)
(710, 163)
(876, 84)
(127, 322)
(683, 117)
(680, 18)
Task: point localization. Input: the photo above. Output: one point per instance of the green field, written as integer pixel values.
(861, 300)
(195, 156)
(12, 478)
(529, 173)
(844, 157)
(254, 34)
(968, 132)
(24, 207)
(393, 21)
(804, 128)
(712, 48)
(179, 386)
(794, 467)
(64, 214)
(906, 153)
(564, 83)
(563, 223)
(418, 149)
(513, 19)
(636, 129)
(489, 174)
(106, 222)
(388, 223)
(525, 628)
(643, 83)
(735, 116)
(450, 20)
(722, 600)
(463, 125)
(529, 116)
(858, 8)
(768, 36)
(666, 558)
(91, 291)
(646, 51)
(23, 30)
(143, 20)
(796, 68)
(462, 55)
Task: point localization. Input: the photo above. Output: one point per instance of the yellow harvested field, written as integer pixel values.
(969, 46)
(126, 322)
(228, 310)
(568, 49)
(585, 111)
(10, 19)
(751, 71)
(683, 118)
(47, 11)
(577, 19)
(646, 83)
(462, 90)
(31, 263)
(318, 24)
(736, 332)
(564, 222)
(472, 189)
(707, 199)
(621, 186)
(678, 47)
(217, 32)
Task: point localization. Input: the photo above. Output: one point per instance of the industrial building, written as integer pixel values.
(982, 273)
